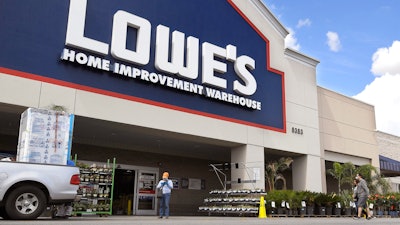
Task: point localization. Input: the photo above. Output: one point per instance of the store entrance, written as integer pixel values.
(134, 190)
(124, 190)
(146, 200)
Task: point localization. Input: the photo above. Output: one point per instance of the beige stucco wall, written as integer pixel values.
(389, 146)
(347, 129)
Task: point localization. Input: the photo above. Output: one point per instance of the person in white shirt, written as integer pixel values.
(165, 186)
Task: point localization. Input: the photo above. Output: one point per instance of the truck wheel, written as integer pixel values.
(3, 213)
(25, 203)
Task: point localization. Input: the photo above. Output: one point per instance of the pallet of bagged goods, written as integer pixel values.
(45, 136)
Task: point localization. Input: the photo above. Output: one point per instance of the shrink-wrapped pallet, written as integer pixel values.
(45, 136)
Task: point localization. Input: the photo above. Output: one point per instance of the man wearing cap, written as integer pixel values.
(165, 185)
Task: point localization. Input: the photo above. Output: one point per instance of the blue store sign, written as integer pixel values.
(202, 57)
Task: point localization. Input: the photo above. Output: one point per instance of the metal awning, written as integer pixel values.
(389, 167)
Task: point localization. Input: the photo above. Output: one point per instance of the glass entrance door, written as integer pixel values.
(124, 191)
(146, 200)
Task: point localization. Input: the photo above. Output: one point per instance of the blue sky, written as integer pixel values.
(358, 46)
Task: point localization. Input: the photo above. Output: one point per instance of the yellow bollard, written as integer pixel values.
(261, 211)
(129, 210)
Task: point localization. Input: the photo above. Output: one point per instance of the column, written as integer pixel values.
(248, 165)
(308, 173)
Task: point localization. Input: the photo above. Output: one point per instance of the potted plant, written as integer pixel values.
(332, 204)
(346, 198)
(298, 202)
(272, 202)
(300, 199)
(321, 202)
(282, 198)
(393, 204)
(309, 199)
(278, 199)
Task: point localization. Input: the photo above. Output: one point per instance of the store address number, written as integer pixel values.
(296, 130)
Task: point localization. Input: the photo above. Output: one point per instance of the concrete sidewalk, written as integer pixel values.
(202, 220)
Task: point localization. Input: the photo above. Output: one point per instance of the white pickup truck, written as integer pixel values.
(26, 189)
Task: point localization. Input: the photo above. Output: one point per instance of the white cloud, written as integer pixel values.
(333, 41)
(384, 94)
(384, 91)
(303, 23)
(291, 40)
(386, 60)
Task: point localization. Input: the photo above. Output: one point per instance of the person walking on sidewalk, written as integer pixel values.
(362, 194)
(165, 186)
(355, 197)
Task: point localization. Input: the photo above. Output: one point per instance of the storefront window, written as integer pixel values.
(147, 183)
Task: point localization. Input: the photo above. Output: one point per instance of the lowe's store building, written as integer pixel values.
(205, 90)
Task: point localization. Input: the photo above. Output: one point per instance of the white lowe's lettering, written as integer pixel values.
(122, 20)
(169, 58)
(177, 53)
(88, 60)
(76, 29)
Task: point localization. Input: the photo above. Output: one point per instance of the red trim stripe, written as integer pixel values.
(30, 76)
